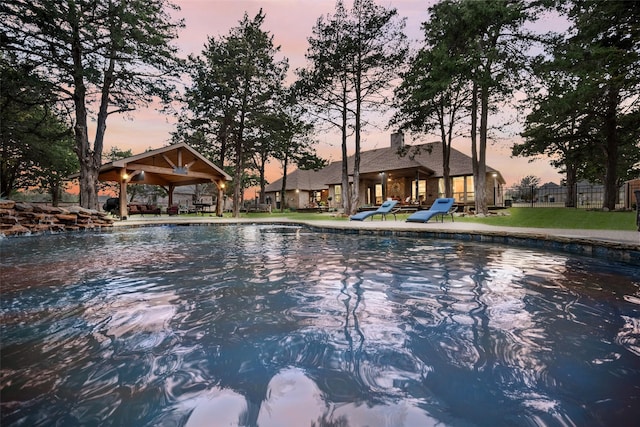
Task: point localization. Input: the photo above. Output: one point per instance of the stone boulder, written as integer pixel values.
(24, 218)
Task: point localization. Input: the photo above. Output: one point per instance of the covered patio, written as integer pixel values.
(168, 167)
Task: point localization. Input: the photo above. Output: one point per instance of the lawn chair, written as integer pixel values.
(441, 207)
(386, 208)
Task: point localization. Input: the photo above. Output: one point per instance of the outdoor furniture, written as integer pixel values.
(262, 207)
(441, 207)
(173, 210)
(386, 208)
(203, 204)
(140, 209)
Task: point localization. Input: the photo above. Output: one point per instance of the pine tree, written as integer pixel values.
(115, 55)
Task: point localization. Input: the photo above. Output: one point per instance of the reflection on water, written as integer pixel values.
(278, 326)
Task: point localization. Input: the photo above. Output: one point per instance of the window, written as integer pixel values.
(378, 191)
(337, 190)
(470, 189)
(422, 190)
(463, 188)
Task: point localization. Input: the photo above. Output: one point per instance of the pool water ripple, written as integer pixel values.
(279, 326)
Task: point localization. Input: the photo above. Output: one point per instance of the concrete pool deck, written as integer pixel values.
(623, 245)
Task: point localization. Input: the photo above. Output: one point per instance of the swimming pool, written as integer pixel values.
(266, 325)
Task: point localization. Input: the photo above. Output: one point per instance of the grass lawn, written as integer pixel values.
(561, 218)
(517, 217)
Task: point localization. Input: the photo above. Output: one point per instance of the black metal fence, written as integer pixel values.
(581, 196)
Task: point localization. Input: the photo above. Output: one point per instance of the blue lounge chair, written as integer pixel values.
(386, 208)
(440, 207)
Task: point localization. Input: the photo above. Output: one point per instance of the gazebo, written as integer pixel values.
(168, 167)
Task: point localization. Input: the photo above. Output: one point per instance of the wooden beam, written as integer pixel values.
(220, 204)
(170, 194)
(164, 156)
(169, 171)
(123, 195)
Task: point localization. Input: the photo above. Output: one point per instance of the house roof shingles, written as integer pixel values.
(424, 157)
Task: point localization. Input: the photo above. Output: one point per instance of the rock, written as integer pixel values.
(23, 207)
(24, 218)
(47, 209)
(16, 230)
(7, 204)
(67, 218)
(9, 219)
(38, 228)
(82, 211)
(25, 215)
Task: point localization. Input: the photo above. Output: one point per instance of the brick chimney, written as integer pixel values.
(397, 141)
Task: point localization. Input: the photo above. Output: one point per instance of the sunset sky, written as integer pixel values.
(291, 23)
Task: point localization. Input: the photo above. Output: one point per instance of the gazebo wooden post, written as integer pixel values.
(170, 195)
(123, 194)
(220, 203)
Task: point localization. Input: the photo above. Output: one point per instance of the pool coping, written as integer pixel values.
(610, 244)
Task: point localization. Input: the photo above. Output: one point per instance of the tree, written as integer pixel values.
(209, 107)
(495, 57)
(482, 44)
(586, 113)
(235, 83)
(325, 84)
(433, 97)
(380, 50)
(36, 152)
(51, 160)
(609, 58)
(526, 188)
(557, 127)
(36, 145)
(292, 138)
(258, 79)
(22, 101)
(354, 58)
(113, 54)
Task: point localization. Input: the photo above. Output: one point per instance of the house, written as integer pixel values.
(551, 193)
(585, 195)
(630, 189)
(412, 174)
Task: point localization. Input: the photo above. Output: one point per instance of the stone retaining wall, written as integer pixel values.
(23, 218)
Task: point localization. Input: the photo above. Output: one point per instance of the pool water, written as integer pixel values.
(263, 325)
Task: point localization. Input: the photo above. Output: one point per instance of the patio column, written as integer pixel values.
(170, 193)
(124, 178)
(220, 202)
